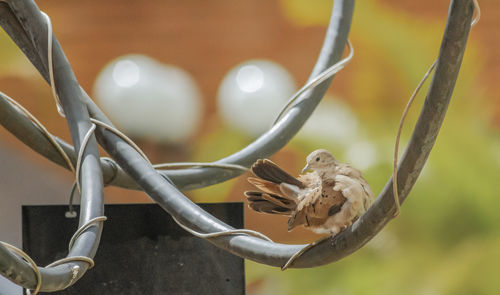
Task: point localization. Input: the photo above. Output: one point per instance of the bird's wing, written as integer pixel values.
(313, 192)
(323, 201)
(279, 190)
(323, 192)
(370, 196)
(267, 170)
(284, 190)
(348, 170)
(265, 186)
(267, 203)
(316, 204)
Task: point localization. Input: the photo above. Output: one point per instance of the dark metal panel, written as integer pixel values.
(142, 251)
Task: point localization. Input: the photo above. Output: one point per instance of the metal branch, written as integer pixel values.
(425, 133)
(23, 128)
(34, 26)
(266, 145)
(188, 213)
(423, 138)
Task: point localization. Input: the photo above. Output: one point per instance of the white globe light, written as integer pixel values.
(252, 93)
(362, 155)
(149, 100)
(332, 122)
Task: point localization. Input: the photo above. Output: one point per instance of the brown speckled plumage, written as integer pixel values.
(326, 200)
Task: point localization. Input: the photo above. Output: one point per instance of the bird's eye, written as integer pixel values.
(317, 159)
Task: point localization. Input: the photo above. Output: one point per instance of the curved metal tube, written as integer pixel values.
(424, 135)
(266, 145)
(423, 138)
(188, 213)
(59, 277)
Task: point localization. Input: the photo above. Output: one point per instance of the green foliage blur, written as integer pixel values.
(446, 240)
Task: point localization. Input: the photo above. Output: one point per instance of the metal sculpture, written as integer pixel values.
(128, 168)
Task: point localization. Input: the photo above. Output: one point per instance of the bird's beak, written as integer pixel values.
(305, 169)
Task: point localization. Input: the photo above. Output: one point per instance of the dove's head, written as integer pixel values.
(320, 160)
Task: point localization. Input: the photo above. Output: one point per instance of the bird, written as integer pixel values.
(326, 200)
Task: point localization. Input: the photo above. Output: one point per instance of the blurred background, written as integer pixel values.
(220, 70)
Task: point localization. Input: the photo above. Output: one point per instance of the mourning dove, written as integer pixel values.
(326, 200)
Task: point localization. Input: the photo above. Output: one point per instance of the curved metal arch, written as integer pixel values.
(78, 120)
(413, 160)
(192, 178)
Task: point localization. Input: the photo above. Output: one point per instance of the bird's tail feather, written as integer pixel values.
(269, 203)
(278, 190)
(267, 170)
